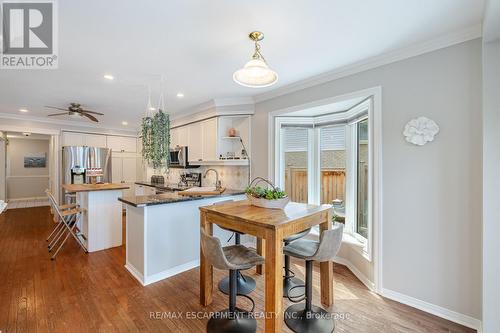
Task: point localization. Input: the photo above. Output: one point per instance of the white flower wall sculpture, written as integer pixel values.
(421, 130)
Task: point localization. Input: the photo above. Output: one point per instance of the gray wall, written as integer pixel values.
(491, 190)
(26, 182)
(431, 194)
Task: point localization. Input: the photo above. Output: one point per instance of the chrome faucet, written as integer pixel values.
(218, 184)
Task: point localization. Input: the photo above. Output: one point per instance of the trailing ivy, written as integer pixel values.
(156, 140)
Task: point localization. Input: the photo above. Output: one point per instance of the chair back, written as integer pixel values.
(212, 249)
(53, 202)
(329, 244)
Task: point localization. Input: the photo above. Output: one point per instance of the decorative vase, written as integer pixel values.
(232, 132)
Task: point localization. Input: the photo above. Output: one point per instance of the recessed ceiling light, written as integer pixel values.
(23, 110)
(26, 133)
(109, 77)
(151, 108)
(124, 123)
(180, 95)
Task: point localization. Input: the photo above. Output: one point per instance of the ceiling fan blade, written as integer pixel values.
(57, 114)
(101, 114)
(89, 116)
(55, 107)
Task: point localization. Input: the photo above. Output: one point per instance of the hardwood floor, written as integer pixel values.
(93, 292)
(13, 204)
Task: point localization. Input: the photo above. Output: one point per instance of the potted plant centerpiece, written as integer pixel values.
(266, 197)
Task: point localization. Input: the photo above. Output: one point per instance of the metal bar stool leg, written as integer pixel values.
(290, 281)
(232, 319)
(306, 317)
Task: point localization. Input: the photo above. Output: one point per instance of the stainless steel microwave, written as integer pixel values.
(179, 158)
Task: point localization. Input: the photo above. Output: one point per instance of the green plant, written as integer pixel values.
(272, 193)
(156, 139)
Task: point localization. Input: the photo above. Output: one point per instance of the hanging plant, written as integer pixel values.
(156, 139)
(146, 135)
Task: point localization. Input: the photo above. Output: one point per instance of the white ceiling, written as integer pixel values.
(197, 45)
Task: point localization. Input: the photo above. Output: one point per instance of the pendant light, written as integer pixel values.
(256, 73)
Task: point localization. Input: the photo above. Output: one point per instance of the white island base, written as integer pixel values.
(164, 239)
(101, 219)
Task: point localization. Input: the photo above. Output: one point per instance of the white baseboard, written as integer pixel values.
(135, 273)
(161, 275)
(369, 284)
(436, 310)
(27, 198)
(171, 272)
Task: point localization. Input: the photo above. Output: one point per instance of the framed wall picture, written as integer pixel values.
(35, 160)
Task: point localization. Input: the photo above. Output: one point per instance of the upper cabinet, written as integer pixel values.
(122, 144)
(83, 139)
(210, 143)
(195, 142)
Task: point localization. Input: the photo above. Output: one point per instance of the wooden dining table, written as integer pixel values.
(270, 226)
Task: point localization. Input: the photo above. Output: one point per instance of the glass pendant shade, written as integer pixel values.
(255, 74)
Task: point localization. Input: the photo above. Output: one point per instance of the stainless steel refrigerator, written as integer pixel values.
(76, 160)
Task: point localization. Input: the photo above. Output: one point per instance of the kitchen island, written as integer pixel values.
(163, 233)
(101, 222)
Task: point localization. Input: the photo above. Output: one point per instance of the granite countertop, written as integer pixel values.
(171, 197)
(162, 187)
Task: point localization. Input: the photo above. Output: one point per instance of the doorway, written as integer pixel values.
(28, 168)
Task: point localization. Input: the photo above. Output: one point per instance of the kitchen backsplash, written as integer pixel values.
(232, 177)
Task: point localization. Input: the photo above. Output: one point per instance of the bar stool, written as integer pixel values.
(232, 258)
(289, 279)
(244, 283)
(305, 317)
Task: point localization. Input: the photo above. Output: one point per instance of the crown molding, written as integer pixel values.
(457, 37)
(216, 107)
(75, 124)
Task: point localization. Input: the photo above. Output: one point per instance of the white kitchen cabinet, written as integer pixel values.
(195, 144)
(83, 139)
(129, 169)
(72, 139)
(94, 140)
(124, 171)
(183, 135)
(174, 137)
(123, 167)
(209, 141)
(122, 143)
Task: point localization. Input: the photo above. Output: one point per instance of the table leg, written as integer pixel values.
(274, 281)
(261, 244)
(206, 270)
(326, 268)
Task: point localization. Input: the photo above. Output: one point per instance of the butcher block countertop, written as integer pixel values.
(94, 187)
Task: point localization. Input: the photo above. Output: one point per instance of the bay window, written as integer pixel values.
(326, 160)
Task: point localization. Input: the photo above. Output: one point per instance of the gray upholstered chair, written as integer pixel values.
(244, 283)
(305, 317)
(233, 258)
(289, 279)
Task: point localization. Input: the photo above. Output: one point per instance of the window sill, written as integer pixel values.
(351, 241)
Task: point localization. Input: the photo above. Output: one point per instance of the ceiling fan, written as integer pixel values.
(75, 109)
